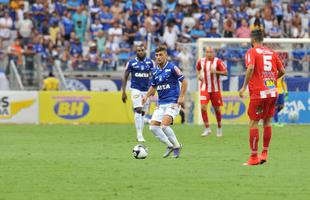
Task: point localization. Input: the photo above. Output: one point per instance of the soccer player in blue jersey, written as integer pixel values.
(165, 80)
(140, 69)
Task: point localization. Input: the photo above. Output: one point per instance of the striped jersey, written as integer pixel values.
(211, 81)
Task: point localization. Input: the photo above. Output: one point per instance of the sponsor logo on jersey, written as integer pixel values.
(142, 75)
(8, 108)
(163, 87)
(71, 109)
(232, 107)
(262, 51)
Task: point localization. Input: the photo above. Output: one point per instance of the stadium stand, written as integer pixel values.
(90, 37)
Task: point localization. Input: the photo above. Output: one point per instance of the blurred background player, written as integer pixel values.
(282, 97)
(263, 69)
(165, 81)
(51, 83)
(209, 70)
(140, 69)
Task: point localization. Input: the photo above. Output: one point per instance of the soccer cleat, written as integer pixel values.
(253, 160)
(177, 151)
(168, 152)
(140, 139)
(206, 132)
(219, 132)
(263, 157)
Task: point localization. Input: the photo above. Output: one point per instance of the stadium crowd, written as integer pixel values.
(100, 34)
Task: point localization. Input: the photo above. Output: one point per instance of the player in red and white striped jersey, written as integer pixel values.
(263, 69)
(209, 69)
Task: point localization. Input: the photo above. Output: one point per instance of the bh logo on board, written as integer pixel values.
(71, 108)
(233, 107)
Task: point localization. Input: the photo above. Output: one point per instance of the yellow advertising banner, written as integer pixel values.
(234, 109)
(84, 107)
(70, 107)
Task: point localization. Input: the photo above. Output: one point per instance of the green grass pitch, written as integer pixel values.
(57, 162)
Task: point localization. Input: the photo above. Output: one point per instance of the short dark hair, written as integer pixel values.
(161, 48)
(257, 35)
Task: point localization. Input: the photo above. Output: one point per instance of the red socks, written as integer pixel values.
(218, 118)
(267, 137)
(254, 138)
(205, 119)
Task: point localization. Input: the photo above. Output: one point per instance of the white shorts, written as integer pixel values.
(167, 109)
(136, 97)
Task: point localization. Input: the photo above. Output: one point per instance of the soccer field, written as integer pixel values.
(95, 162)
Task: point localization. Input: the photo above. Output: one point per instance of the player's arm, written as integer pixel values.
(198, 69)
(149, 93)
(124, 84)
(220, 69)
(181, 98)
(250, 60)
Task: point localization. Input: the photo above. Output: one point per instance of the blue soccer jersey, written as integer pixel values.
(140, 73)
(166, 82)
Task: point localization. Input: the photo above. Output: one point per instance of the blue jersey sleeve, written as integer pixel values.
(178, 73)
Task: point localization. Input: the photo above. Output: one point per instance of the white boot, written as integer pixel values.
(206, 132)
(219, 132)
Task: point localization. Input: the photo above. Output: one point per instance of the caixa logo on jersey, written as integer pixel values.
(71, 109)
(232, 108)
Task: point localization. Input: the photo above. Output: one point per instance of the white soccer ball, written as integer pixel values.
(293, 116)
(140, 151)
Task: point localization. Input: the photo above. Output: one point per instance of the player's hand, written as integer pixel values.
(144, 99)
(124, 97)
(286, 97)
(201, 78)
(241, 92)
(181, 101)
(213, 70)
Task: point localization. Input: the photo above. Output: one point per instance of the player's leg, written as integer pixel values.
(269, 110)
(216, 99)
(138, 123)
(170, 114)
(158, 132)
(278, 108)
(136, 97)
(255, 113)
(204, 99)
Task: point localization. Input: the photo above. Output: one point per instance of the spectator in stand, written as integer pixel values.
(213, 32)
(25, 28)
(257, 25)
(241, 14)
(298, 55)
(67, 26)
(244, 31)
(80, 23)
(6, 23)
(15, 52)
(95, 28)
(275, 31)
(170, 36)
(116, 32)
(296, 28)
(108, 63)
(288, 16)
(39, 13)
(277, 6)
(229, 26)
(106, 17)
(117, 11)
(197, 32)
(92, 58)
(29, 63)
(268, 19)
(54, 31)
(101, 41)
(206, 21)
(76, 53)
(44, 29)
(73, 5)
(185, 36)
